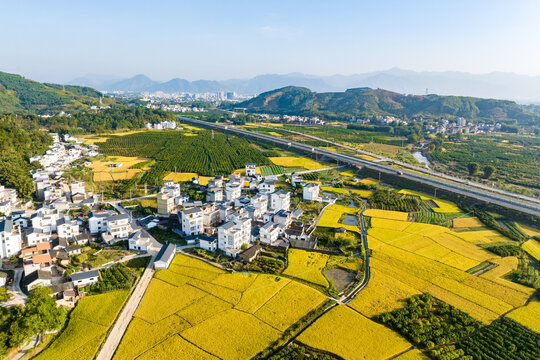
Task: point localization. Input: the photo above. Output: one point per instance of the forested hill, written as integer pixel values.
(365, 101)
(20, 95)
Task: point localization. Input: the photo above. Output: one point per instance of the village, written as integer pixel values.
(72, 233)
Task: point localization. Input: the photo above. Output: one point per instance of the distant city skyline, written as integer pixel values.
(216, 40)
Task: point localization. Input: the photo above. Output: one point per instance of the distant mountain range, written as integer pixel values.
(496, 85)
(365, 101)
(21, 95)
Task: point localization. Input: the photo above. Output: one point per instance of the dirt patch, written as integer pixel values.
(340, 278)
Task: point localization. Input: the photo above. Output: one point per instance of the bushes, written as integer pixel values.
(266, 265)
(388, 199)
(426, 321)
(505, 250)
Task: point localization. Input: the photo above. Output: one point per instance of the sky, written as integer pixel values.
(61, 40)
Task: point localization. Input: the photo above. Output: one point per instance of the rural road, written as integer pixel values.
(15, 289)
(122, 322)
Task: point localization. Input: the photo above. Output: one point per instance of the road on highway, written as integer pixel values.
(441, 181)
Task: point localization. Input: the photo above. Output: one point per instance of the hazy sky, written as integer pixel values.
(60, 40)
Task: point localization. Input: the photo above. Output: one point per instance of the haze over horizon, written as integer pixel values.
(217, 41)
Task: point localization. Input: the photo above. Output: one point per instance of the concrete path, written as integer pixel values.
(122, 322)
(15, 289)
(32, 343)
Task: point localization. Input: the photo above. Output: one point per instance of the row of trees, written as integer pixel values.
(474, 167)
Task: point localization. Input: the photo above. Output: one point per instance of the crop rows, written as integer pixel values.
(205, 154)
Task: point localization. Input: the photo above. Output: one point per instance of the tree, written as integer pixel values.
(488, 171)
(41, 309)
(413, 138)
(473, 168)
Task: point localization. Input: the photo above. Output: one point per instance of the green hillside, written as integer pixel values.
(20, 95)
(365, 101)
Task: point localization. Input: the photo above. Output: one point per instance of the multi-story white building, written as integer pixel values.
(259, 203)
(67, 228)
(10, 239)
(251, 169)
(5, 208)
(97, 222)
(171, 188)
(210, 217)
(77, 187)
(118, 226)
(214, 194)
(7, 194)
(52, 192)
(267, 186)
(192, 221)
(216, 182)
(233, 234)
(310, 192)
(269, 233)
(233, 191)
(45, 220)
(280, 200)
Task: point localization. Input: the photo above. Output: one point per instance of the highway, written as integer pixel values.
(507, 200)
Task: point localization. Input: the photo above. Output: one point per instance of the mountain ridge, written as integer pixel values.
(499, 85)
(365, 101)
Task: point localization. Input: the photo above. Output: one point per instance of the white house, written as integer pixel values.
(208, 243)
(214, 194)
(34, 236)
(171, 188)
(5, 208)
(118, 226)
(250, 169)
(267, 186)
(45, 220)
(210, 217)
(82, 279)
(310, 192)
(10, 239)
(7, 194)
(260, 203)
(233, 234)
(67, 228)
(283, 217)
(233, 191)
(77, 187)
(192, 221)
(165, 257)
(269, 233)
(97, 222)
(165, 204)
(280, 200)
(139, 241)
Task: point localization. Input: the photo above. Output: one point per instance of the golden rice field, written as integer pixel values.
(185, 176)
(528, 230)
(348, 334)
(273, 133)
(413, 354)
(386, 214)
(532, 247)
(188, 305)
(307, 265)
(87, 326)
(528, 315)
(432, 258)
(335, 190)
(362, 193)
(348, 173)
(480, 237)
(104, 172)
(331, 216)
(369, 181)
(296, 161)
(466, 222)
(382, 294)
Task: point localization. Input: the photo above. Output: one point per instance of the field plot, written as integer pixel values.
(481, 236)
(294, 161)
(189, 305)
(532, 247)
(469, 222)
(387, 214)
(382, 294)
(104, 172)
(528, 230)
(346, 333)
(528, 315)
(86, 328)
(331, 216)
(185, 176)
(441, 206)
(307, 265)
(435, 259)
